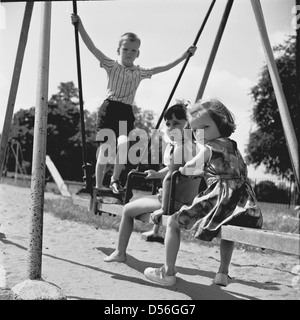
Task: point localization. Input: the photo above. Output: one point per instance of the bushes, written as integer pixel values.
(267, 191)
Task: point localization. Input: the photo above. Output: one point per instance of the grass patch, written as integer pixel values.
(279, 218)
(65, 209)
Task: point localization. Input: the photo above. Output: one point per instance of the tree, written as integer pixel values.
(267, 191)
(64, 144)
(267, 143)
(144, 119)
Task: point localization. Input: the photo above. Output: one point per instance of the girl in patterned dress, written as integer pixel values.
(228, 199)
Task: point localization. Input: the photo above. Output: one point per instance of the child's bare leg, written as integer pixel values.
(130, 211)
(226, 249)
(172, 243)
(121, 157)
(101, 165)
(100, 173)
(125, 230)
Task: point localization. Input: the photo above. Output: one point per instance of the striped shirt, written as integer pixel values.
(123, 81)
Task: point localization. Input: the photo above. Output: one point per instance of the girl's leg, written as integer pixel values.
(130, 211)
(165, 275)
(226, 249)
(172, 243)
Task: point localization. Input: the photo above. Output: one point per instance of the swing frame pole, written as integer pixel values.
(86, 166)
(178, 79)
(15, 82)
(39, 149)
(185, 64)
(214, 50)
(35, 288)
(287, 124)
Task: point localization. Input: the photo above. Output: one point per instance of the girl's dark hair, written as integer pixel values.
(223, 118)
(178, 110)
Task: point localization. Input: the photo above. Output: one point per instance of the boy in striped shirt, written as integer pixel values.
(116, 111)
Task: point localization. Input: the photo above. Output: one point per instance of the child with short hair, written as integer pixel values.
(123, 80)
(177, 152)
(228, 199)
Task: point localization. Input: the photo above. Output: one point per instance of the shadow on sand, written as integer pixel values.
(195, 291)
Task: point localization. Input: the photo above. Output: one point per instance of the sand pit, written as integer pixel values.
(73, 260)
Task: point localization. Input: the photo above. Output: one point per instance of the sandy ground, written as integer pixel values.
(73, 260)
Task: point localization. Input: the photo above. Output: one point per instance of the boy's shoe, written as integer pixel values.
(116, 187)
(221, 279)
(158, 275)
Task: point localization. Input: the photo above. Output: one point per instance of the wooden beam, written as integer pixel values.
(278, 241)
(272, 240)
(63, 189)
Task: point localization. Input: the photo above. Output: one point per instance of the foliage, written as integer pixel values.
(144, 119)
(267, 191)
(267, 144)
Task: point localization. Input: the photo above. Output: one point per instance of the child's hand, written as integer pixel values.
(151, 174)
(191, 50)
(183, 170)
(75, 19)
(191, 171)
(156, 216)
(187, 168)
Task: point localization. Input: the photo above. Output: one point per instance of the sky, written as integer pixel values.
(167, 28)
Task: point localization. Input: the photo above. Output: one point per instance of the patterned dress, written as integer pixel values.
(228, 198)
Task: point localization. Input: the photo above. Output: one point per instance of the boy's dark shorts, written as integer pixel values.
(109, 115)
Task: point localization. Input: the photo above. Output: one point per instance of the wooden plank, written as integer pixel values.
(57, 177)
(278, 241)
(111, 208)
(272, 240)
